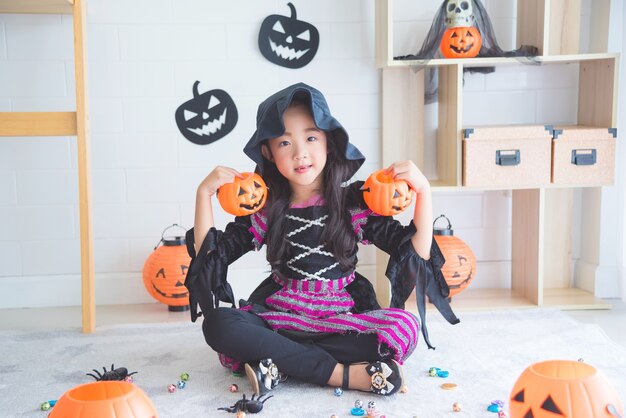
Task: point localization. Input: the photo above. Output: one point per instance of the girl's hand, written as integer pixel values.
(217, 178)
(408, 171)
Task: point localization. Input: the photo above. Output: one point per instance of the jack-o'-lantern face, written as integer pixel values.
(164, 273)
(207, 117)
(461, 42)
(243, 196)
(386, 196)
(287, 41)
(563, 388)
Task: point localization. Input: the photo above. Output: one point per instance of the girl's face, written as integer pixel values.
(300, 153)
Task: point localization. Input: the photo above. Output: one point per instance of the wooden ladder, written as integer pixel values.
(65, 124)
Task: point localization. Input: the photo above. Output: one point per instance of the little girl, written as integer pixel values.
(314, 318)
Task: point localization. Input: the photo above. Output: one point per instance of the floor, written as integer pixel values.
(612, 321)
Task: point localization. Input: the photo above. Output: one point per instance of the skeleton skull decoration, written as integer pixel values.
(207, 117)
(287, 41)
(459, 13)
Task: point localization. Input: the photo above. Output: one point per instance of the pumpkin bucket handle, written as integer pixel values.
(442, 231)
(177, 237)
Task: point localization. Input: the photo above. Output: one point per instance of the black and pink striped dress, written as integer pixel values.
(309, 293)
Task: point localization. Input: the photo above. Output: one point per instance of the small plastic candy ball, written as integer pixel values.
(240, 414)
(171, 388)
(45, 406)
(494, 408)
(334, 416)
(338, 391)
(128, 379)
(233, 388)
(456, 407)
(404, 389)
(181, 384)
(358, 403)
(432, 372)
(371, 405)
(357, 412)
(184, 376)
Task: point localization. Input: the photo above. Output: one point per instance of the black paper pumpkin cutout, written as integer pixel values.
(207, 117)
(287, 41)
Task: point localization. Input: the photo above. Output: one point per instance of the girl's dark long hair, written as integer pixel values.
(338, 234)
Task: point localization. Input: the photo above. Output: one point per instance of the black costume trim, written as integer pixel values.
(206, 276)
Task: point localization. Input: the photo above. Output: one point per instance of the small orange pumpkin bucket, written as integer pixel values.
(244, 196)
(165, 269)
(385, 195)
(104, 399)
(460, 266)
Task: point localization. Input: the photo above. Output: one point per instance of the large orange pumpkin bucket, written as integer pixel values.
(165, 269)
(564, 388)
(460, 266)
(105, 399)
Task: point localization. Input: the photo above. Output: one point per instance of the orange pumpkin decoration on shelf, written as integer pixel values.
(104, 399)
(461, 42)
(386, 196)
(164, 272)
(460, 266)
(563, 388)
(243, 196)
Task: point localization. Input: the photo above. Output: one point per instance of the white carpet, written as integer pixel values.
(484, 354)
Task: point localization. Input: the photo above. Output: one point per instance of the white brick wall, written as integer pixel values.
(144, 56)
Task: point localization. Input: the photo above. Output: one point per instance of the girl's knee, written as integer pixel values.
(217, 324)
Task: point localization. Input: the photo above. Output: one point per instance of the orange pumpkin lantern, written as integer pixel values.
(460, 266)
(461, 42)
(164, 272)
(104, 399)
(386, 196)
(563, 388)
(243, 196)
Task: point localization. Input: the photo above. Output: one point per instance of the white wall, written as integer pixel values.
(144, 57)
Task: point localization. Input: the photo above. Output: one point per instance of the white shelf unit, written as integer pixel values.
(541, 262)
(28, 124)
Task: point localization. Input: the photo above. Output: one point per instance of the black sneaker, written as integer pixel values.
(386, 377)
(263, 376)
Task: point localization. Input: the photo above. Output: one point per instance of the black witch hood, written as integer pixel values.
(269, 123)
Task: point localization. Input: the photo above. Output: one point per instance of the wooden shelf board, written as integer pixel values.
(480, 300)
(36, 6)
(498, 299)
(572, 298)
(435, 187)
(486, 62)
(38, 123)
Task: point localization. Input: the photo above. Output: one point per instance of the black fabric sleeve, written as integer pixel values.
(406, 270)
(206, 276)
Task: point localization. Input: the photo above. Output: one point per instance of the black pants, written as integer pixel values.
(305, 356)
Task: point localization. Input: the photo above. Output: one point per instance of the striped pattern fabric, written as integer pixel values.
(312, 298)
(324, 306)
(397, 328)
(359, 218)
(258, 229)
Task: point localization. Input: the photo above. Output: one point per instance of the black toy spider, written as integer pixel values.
(247, 405)
(113, 374)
